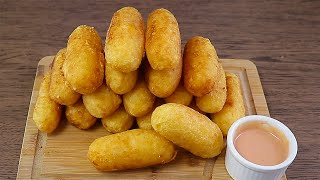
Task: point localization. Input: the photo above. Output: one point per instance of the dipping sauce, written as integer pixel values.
(262, 144)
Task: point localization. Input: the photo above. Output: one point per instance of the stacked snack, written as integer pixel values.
(234, 108)
(201, 66)
(163, 49)
(130, 149)
(144, 122)
(117, 122)
(84, 64)
(188, 129)
(46, 113)
(124, 46)
(214, 100)
(120, 82)
(180, 96)
(157, 95)
(60, 90)
(124, 49)
(79, 116)
(139, 101)
(103, 102)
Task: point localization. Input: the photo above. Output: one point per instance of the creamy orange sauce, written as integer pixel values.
(262, 144)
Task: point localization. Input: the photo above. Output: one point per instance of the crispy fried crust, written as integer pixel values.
(79, 116)
(47, 113)
(139, 101)
(130, 150)
(102, 103)
(188, 129)
(234, 107)
(214, 101)
(118, 121)
(60, 90)
(86, 35)
(200, 66)
(163, 41)
(180, 96)
(144, 122)
(162, 83)
(124, 47)
(84, 64)
(120, 82)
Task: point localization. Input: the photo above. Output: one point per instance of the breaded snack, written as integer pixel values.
(131, 149)
(117, 122)
(214, 101)
(46, 113)
(180, 96)
(162, 83)
(234, 107)
(102, 103)
(60, 90)
(120, 82)
(194, 106)
(79, 116)
(139, 101)
(124, 47)
(188, 129)
(200, 68)
(144, 122)
(84, 34)
(163, 41)
(83, 68)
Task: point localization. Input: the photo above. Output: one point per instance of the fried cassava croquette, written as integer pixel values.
(200, 66)
(47, 113)
(234, 107)
(139, 101)
(163, 41)
(188, 129)
(84, 34)
(84, 64)
(118, 121)
(120, 82)
(214, 101)
(162, 83)
(130, 150)
(144, 122)
(124, 47)
(102, 103)
(180, 96)
(60, 90)
(140, 74)
(79, 116)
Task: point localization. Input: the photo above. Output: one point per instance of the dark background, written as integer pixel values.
(281, 37)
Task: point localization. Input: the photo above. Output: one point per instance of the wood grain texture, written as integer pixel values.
(281, 37)
(62, 154)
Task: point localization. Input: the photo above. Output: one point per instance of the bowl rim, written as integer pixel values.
(293, 145)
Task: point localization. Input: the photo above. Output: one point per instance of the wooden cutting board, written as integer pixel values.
(62, 155)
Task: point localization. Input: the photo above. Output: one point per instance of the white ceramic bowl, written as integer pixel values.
(241, 169)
